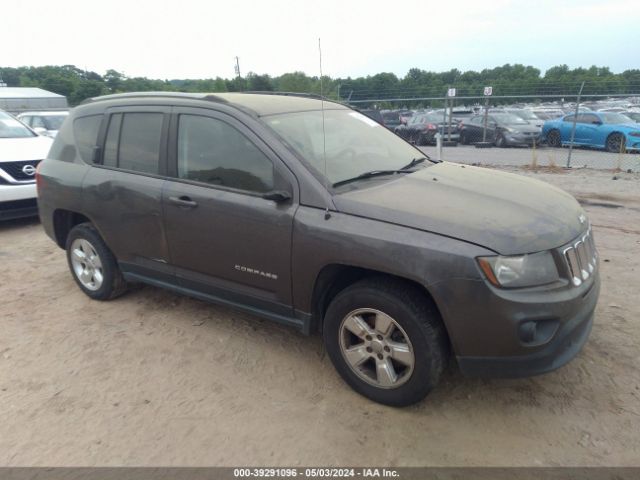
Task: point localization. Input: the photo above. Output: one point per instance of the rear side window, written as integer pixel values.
(214, 152)
(133, 142)
(85, 130)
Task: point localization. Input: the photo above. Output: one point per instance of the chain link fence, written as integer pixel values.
(600, 131)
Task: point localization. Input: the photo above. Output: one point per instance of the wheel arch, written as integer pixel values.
(334, 278)
(63, 222)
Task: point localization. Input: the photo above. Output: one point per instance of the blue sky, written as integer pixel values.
(198, 39)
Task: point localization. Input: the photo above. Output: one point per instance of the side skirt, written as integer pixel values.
(301, 321)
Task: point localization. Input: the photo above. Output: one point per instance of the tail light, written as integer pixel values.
(38, 178)
(431, 126)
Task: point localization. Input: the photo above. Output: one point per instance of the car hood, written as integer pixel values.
(509, 214)
(28, 148)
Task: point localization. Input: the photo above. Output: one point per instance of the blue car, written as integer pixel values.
(613, 132)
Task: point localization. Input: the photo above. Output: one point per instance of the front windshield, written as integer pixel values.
(12, 128)
(354, 143)
(53, 122)
(509, 119)
(613, 118)
(526, 115)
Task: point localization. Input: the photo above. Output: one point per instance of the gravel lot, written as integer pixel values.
(545, 156)
(157, 379)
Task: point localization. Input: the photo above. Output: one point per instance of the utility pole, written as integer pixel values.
(237, 67)
(573, 127)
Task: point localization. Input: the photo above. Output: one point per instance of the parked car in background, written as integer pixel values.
(422, 128)
(21, 149)
(503, 130)
(43, 123)
(390, 118)
(405, 115)
(548, 113)
(526, 114)
(635, 116)
(373, 114)
(611, 131)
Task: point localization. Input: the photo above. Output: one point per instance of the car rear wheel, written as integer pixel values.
(615, 143)
(93, 266)
(386, 341)
(553, 139)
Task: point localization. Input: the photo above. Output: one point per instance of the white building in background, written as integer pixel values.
(20, 99)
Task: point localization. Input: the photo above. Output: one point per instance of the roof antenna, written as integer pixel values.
(327, 215)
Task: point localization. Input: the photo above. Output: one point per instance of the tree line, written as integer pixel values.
(382, 89)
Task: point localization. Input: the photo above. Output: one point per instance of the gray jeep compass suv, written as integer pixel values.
(311, 214)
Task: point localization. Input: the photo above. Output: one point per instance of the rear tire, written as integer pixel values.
(400, 347)
(616, 143)
(92, 265)
(553, 139)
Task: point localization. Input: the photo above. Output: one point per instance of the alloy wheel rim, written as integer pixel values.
(86, 264)
(376, 348)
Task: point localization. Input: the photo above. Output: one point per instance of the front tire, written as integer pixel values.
(553, 139)
(386, 340)
(92, 265)
(616, 143)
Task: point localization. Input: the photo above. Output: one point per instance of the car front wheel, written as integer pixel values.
(615, 143)
(553, 139)
(386, 340)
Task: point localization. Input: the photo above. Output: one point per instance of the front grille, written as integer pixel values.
(14, 169)
(581, 257)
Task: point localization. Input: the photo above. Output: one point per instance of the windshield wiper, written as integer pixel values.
(372, 173)
(414, 162)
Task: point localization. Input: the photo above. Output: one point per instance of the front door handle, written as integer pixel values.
(183, 201)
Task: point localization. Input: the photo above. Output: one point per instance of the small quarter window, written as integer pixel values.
(85, 130)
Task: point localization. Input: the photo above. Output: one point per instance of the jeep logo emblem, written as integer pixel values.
(29, 170)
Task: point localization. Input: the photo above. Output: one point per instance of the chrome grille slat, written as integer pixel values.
(581, 257)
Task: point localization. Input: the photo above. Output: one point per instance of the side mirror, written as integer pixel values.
(40, 130)
(596, 122)
(277, 196)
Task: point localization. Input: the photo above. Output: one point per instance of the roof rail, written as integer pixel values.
(164, 94)
(290, 94)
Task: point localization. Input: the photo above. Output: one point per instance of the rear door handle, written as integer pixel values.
(183, 201)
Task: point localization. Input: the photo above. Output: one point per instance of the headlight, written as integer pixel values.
(520, 270)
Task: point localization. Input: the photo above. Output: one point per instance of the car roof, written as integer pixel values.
(260, 104)
(45, 112)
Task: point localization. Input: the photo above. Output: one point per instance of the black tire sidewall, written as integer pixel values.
(109, 267)
(424, 375)
(622, 143)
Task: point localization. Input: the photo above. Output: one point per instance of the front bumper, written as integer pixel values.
(485, 325)
(563, 347)
(520, 139)
(18, 201)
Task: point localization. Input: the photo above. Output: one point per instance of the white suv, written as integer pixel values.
(43, 123)
(21, 149)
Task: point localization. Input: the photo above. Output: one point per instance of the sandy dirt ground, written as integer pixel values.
(154, 378)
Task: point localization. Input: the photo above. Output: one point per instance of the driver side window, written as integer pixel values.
(212, 151)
